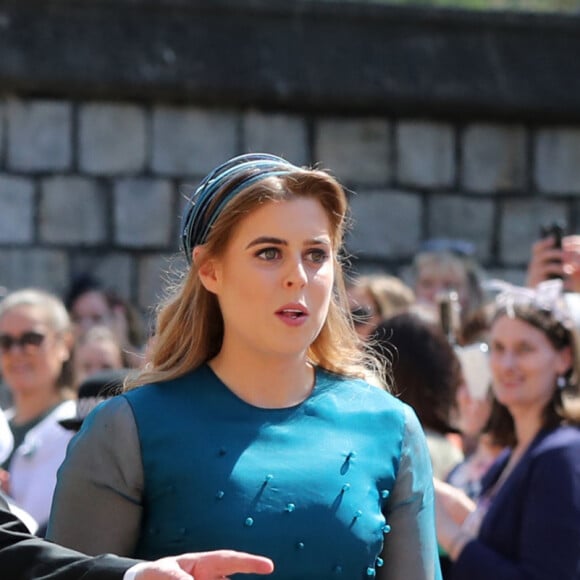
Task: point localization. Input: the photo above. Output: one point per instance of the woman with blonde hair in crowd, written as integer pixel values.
(35, 348)
(374, 297)
(442, 266)
(253, 425)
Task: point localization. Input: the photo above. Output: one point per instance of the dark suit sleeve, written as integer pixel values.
(24, 557)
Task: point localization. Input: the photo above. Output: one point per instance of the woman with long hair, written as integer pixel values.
(526, 522)
(253, 426)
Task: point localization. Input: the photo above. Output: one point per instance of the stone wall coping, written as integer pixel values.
(344, 58)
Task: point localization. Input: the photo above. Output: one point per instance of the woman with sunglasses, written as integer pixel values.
(253, 427)
(35, 346)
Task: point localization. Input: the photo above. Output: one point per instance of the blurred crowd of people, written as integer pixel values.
(490, 369)
(49, 347)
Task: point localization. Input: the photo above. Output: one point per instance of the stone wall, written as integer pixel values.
(96, 179)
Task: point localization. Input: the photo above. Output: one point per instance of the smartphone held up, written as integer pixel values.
(556, 231)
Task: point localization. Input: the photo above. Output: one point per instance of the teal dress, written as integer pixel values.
(337, 487)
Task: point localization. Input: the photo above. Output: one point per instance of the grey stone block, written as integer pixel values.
(386, 224)
(16, 210)
(113, 269)
(520, 226)
(2, 130)
(37, 267)
(191, 141)
(284, 135)
(557, 160)
(515, 276)
(425, 154)
(357, 151)
(112, 139)
(453, 216)
(72, 211)
(143, 213)
(39, 135)
(494, 158)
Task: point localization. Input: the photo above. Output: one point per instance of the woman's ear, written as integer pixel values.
(68, 343)
(206, 268)
(566, 360)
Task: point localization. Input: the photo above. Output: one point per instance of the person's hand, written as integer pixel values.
(571, 258)
(453, 501)
(452, 507)
(546, 262)
(214, 565)
(5, 481)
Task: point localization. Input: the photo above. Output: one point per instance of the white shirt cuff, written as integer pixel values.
(131, 573)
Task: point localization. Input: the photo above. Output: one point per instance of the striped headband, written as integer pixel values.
(225, 181)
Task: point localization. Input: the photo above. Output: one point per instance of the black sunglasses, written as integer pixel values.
(26, 339)
(361, 314)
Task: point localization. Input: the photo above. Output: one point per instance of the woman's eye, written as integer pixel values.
(268, 253)
(318, 256)
(525, 348)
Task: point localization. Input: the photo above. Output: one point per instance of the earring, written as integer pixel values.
(561, 382)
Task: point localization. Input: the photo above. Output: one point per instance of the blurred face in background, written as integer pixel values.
(97, 351)
(31, 352)
(437, 274)
(90, 309)
(364, 310)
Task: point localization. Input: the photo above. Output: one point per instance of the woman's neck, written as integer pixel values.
(527, 425)
(272, 382)
(30, 406)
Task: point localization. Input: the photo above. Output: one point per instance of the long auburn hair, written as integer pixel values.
(190, 327)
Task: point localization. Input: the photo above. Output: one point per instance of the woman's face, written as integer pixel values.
(524, 364)
(364, 310)
(30, 368)
(90, 309)
(436, 277)
(274, 281)
(94, 356)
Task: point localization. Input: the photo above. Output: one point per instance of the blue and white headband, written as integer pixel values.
(226, 180)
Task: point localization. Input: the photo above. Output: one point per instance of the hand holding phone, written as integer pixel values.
(547, 259)
(554, 230)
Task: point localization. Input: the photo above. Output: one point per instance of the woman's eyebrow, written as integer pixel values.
(280, 242)
(267, 240)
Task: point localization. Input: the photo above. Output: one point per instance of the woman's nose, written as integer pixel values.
(507, 359)
(296, 275)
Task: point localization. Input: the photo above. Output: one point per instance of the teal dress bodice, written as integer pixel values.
(329, 489)
(308, 486)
